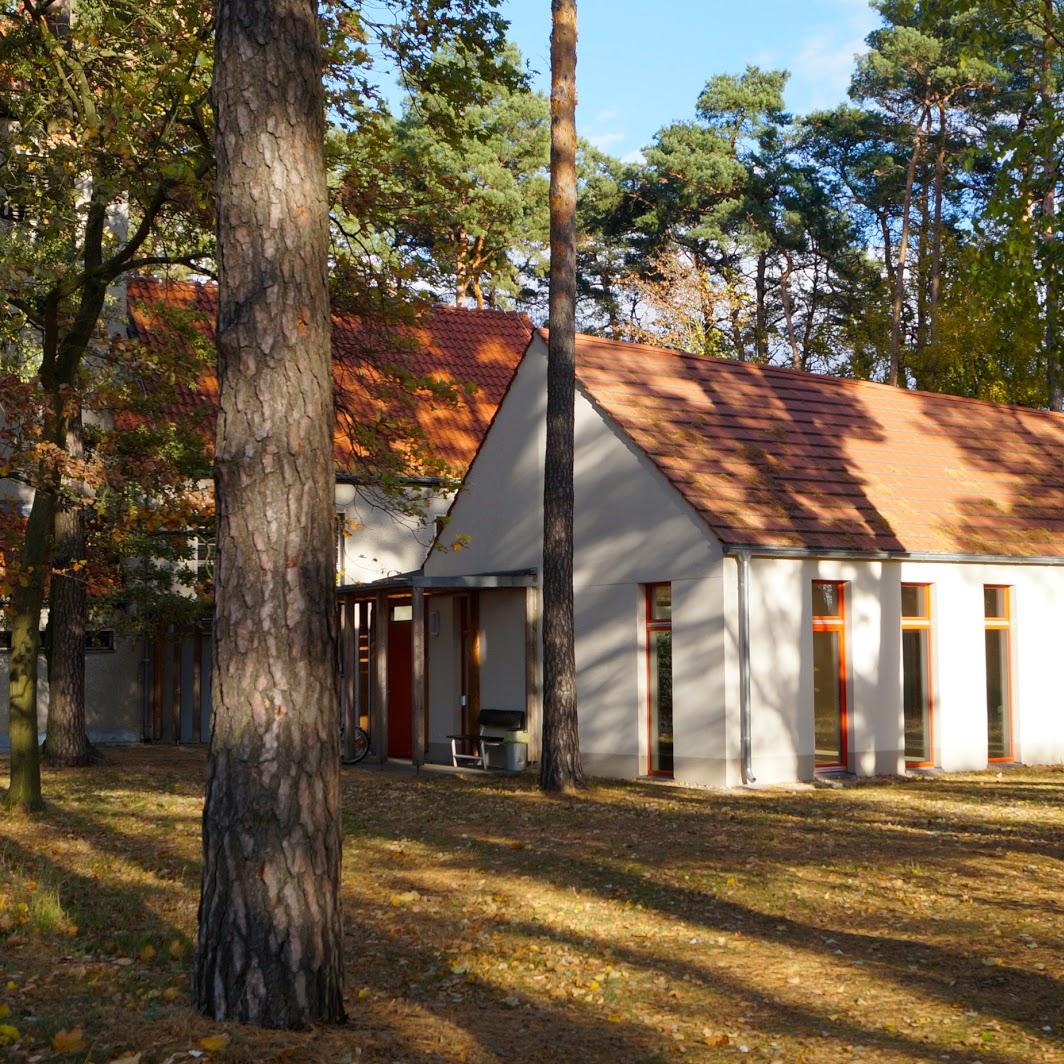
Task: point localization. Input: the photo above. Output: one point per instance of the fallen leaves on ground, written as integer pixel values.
(887, 922)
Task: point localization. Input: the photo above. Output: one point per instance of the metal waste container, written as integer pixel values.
(503, 739)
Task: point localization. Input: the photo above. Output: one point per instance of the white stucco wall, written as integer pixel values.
(631, 528)
(781, 651)
(382, 542)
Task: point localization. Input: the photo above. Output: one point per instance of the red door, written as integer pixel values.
(400, 661)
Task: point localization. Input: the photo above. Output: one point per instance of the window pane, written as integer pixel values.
(827, 600)
(995, 602)
(827, 698)
(998, 708)
(916, 685)
(913, 600)
(660, 702)
(661, 602)
(402, 613)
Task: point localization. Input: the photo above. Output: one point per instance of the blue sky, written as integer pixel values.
(642, 63)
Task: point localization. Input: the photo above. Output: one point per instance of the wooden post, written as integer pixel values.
(533, 701)
(360, 615)
(417, 678)
(186, 690)
(158, 670)
(206, 696)
(474, 663)
(349, 657)
(380, 677)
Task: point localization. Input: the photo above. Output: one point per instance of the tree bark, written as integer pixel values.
(788, 313)
(936, 247)
(269, 949)
(1050, 339)
(903, 247)
(560, 765)
(760, 311)
(24, 791)
(66, 742)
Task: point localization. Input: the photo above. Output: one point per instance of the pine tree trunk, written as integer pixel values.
(560, 767)
(1050, 340)
(936, 247)
(27, 600)
(269, 950)
(66, 742)
(760, 310)
(903, 248)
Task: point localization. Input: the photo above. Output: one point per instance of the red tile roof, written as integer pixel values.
(473, 351)
(777, 458)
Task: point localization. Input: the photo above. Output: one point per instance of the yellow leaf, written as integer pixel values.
(8, 1034)
(177, 947)
(146, 952)
(171, 993)
(5, 1011)
(214, 1043)
(68, 1041)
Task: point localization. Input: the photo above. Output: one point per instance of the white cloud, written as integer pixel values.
(604, 141)
(635, 156)
(823, 63)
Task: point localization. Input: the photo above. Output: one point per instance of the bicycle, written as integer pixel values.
(361, 747)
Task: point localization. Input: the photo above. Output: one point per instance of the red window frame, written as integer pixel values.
(836, 623)
(652, 625)
(1004, 623)
(909, 623)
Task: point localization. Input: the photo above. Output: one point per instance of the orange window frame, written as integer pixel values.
(924, 624)
(1004, 624)
(837, 623)
(652, 625)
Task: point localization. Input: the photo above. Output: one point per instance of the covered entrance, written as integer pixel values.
(419, 657)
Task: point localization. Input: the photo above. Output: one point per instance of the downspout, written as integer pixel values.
(742, 558)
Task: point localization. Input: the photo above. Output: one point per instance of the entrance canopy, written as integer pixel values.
(396, 676)
(418, 580)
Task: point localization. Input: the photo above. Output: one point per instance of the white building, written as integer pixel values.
(776, 574)
(160, 688)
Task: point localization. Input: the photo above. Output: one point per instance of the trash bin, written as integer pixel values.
(516, 757)
(502, 739)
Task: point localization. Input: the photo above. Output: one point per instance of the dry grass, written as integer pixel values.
(914, 921)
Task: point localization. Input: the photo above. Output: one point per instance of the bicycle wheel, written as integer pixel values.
(361, 747)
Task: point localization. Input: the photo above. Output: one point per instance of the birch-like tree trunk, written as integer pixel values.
(269, 950)
(560, 767)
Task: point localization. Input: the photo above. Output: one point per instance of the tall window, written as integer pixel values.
(916, 673)
(997, 611)
(829, 674)
(659, 679)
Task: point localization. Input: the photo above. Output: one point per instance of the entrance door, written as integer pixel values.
(400, 662)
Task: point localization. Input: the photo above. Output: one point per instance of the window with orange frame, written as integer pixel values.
(917, 690)
(830, 716)
(997, 620)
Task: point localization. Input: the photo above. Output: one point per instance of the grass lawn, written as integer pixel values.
(917, 921)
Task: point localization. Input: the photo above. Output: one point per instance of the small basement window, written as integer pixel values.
(100, 641)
